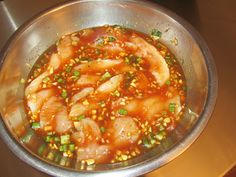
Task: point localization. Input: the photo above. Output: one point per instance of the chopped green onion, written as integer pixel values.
(28, 136)
(102, 129)
(105, 76)
(172, 107)
(57, 158)
(160, 136)
(60, 80)
(122, 111)
(76, 73)
(64, 93)
(161, 128)
(146, 143)
(63, 148)
(156, 34)
(46, 79)
(41, 149)
(168, 82)
(71, 147)
(68, 69)
(79, 117)
(56, 139)
(48, 138)
(35, 125)
(111, 39)
(65, 139)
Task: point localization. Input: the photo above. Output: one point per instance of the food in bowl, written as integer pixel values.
(103, 95)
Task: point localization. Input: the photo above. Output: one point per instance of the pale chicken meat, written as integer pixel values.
(111, 85)
(99, 153)
(87, 80)
(97, 65)
(82, 94)
(124, 131)
(158, 65)
(36, 100)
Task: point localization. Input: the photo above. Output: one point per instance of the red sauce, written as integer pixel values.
(121, 109)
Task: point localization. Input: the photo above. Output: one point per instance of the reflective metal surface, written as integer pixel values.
(202, 146)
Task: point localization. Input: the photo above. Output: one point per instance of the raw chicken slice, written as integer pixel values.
(36, 100)
(99, 153)
(158, 65)
(82, 94)
(97, 65)
(86, 80)
(63, 124)
(124, 131)
(87, 131)
(55, 61)
(111, 85)
(65, 48)
(35, 84)
(49, 110)
(152, 105)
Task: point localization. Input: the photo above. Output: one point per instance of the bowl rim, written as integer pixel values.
(140, 168)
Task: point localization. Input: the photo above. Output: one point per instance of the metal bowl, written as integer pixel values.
(34, 37)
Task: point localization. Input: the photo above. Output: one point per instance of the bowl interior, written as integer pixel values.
(36, 36)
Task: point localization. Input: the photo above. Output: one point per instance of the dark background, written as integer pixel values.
(214, 153)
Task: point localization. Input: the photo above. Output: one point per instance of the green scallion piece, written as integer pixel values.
(76, 73)
(57, 158)
(63, 148)
(60, 80)
(172, 107)
(122, 111)
(51, 155)
(63, 161)
(102, 129)
(79, 117)
(57, 139)
(46, 79)
(168, 82)
(68, 69)
(111, 39)
(105, 76)
(156, 34)
(48, 138)
(41, 149)
(71, 147)
(64, 93)
(65, 139)
(35, 125)
(28, 136)
(159, 136)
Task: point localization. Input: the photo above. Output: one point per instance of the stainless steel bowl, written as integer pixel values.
(34, 37)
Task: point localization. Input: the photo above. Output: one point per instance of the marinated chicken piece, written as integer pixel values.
(62, 121)
(98, 153)
(97, 65)
(49, 110)
(35, 84)
(150, 106)
(65, 48)
(82, 94)
(36, 100)
(124, 131)
(80, 108)
(158, 65)
(87, 131)
(111, 85)
(87, 80)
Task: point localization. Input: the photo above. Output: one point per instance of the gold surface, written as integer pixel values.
(214, 152)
